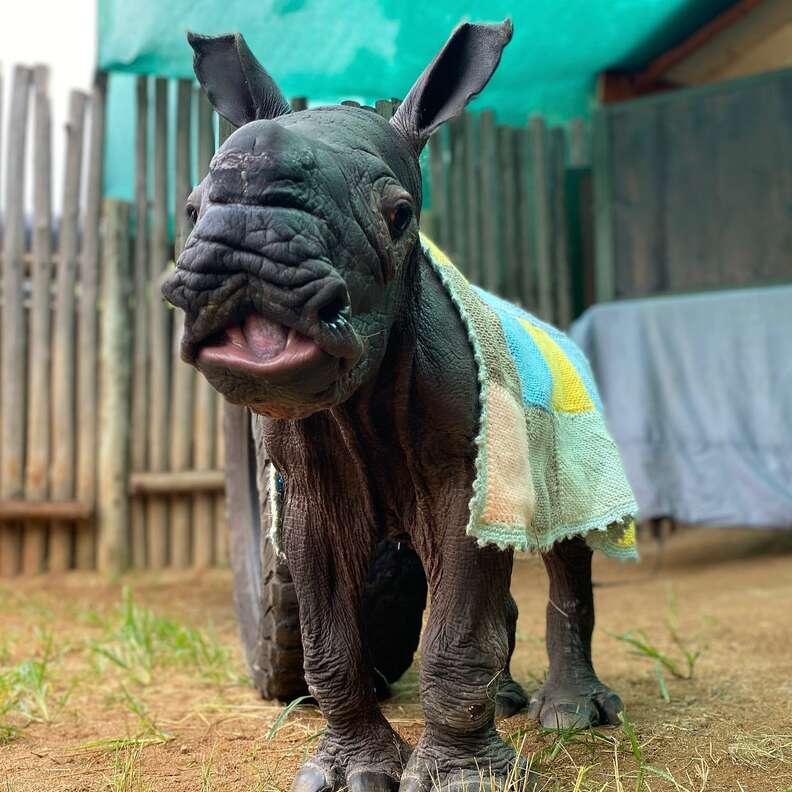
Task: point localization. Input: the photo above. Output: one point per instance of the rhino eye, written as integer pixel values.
(400, 218)
(191, 211)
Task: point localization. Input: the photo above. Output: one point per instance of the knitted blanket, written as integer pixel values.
(546, 466)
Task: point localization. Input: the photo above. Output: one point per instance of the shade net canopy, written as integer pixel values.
(329, 50)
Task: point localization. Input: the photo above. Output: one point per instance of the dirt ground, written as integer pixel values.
(95, 695)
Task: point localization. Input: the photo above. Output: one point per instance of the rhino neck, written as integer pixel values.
(397, 439)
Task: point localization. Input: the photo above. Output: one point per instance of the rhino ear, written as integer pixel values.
(459, 71)
(238, 86)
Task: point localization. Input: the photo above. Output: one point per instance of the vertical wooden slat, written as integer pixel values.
(63, 357)
(87, 380)
(221, 532)
(113, 501)
(141, 341)
(182, 398)
(159, 347)
(491, 241)
(12, 352)
(578, 144)
(542, 219)
(474, 262)
(204, 402)
(561, 274)
(506, 225)
(527, 296)
(603, 210)
(459, 243)
(438, 170)
(38, 439)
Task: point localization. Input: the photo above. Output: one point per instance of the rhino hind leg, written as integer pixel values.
(572, 696)
(392, 611)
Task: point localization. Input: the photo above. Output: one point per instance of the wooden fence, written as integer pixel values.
(112, 448)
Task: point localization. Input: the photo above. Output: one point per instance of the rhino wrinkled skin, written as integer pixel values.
(307, 298)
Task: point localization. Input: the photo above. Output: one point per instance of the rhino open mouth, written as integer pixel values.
(261, 346)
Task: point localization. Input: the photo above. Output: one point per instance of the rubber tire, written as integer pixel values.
(264, 595)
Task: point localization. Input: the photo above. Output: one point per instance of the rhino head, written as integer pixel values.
(305, 246)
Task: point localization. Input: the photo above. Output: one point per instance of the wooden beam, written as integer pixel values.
(115, 363)
(12, 509)
(655, 71)
(172, 482)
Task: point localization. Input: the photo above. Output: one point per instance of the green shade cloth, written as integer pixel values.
(334, 49)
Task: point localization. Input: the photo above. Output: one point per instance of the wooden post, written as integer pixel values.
(439, 163)
(474, 262)
(38, 433)
(526, 231)
(87, 381)
(298, 103)
(159, 319)
(205, 395)
(221, 528)
(63, 380)
(542, 218)
(182, 398)
(561, 273)
(491, 240)
(12, 329)
(507, 225)
(459, 204)
(578, 144)
(605, 265)
(141, 323)
(113, 502)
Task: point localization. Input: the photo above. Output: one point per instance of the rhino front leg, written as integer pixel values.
(359, 750)
(464, 653)
(572, 695)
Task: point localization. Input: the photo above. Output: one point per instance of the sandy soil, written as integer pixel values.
(727, 728)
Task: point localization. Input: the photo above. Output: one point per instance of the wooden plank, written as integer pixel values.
(182, 373)
(12, 371)
(112, 500)
(38, 427)
(438, 174)
(141, 324)
(506, 222)
(221, 528)
(605, 286)
(172, 482)
(63, 347)
(491, 241)
(226, 129)
(527, 280)
(656, 70)
(14, 509)
(474, 258)
(561, 275)
(458, 187)
(542, 218)
(385, 108)
(205, 396)
(159, 338)
(578, 143)
(88, 342)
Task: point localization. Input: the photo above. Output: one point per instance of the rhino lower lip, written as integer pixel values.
(261, 347)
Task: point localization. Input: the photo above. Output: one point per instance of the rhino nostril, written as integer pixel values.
(332, 310)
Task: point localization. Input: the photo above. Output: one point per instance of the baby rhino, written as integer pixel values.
(394, 399)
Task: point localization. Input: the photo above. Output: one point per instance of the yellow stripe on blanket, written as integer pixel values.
(569, 392)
